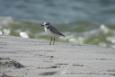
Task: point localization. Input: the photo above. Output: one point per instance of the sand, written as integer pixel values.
(21, 57)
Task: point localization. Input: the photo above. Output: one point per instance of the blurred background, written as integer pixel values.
(82, 21)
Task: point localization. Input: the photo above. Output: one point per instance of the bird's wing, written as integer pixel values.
(54, 30)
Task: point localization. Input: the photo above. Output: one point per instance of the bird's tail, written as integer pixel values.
(62, 34)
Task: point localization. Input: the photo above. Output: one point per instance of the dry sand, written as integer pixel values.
(34, 58)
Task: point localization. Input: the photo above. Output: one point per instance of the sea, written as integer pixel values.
(82, 21)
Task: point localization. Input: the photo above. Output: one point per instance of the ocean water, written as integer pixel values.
(60, 11)
(79, 33)
(81, 21)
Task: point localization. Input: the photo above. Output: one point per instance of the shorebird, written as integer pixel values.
(52, 31)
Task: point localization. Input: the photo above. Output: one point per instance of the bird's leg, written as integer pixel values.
(50, 41)
(53, 40)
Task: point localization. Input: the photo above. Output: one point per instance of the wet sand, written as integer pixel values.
(21, 57)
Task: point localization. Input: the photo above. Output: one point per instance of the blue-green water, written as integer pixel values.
(60, 11)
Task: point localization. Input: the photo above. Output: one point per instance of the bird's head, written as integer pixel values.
(45, 24)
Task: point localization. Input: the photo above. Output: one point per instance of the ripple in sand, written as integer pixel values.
(48, 73)
(7, 62)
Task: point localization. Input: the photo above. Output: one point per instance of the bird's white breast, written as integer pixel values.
(48, 31)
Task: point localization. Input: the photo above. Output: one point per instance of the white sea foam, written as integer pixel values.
(6, 31)
(24, 34)
(104, 28)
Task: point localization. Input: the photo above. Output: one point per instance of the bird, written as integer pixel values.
(52, 31)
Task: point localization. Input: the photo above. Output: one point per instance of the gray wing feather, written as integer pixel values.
(54, 30)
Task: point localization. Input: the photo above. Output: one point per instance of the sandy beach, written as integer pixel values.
(21, 57)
